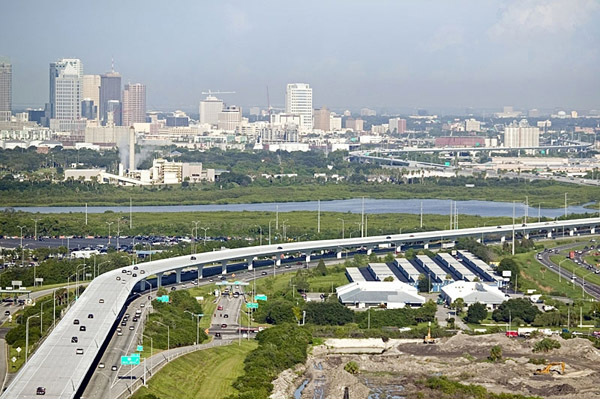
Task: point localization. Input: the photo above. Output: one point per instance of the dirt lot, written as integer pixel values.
(462, 358)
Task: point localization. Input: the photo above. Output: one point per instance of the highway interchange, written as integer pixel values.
(64, 367)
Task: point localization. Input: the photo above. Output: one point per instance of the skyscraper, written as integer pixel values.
(209, 110)
(521, 135)
(298, 100)
(90, 93)
(5, 90)
(134, 104)
(65, 89)
(110, 90)
(322, 119)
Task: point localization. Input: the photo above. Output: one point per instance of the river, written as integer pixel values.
(372, 206)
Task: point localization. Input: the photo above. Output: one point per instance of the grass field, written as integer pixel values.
(206, 374)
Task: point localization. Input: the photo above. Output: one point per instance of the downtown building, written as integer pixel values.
(298, 101)
(209, 109)
(134, 104)
(5, 90)
(110, 98)
(521, 135)
(65, 98)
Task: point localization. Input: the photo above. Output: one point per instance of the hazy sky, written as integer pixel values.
(383, 54)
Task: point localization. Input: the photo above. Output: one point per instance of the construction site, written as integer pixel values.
(397, 368)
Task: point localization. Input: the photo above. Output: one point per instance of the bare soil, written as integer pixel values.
(462, 358)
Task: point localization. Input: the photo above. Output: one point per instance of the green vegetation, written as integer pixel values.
(279, 348)
(352, 367)
(205, 374)
(546, 345)
(495, 353)
(476, 312)
(516, 308)
(444, 388)
(182, 325)
(331, 313)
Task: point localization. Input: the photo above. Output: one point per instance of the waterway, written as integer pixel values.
(372, 206)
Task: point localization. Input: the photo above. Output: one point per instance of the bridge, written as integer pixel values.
(63, 367)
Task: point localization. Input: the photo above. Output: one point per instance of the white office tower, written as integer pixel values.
(229, 118)
(5, 90)
(134, 104)
(298, 101)
(209, 110)
(521, 135)
(91, 90)
(66, 77)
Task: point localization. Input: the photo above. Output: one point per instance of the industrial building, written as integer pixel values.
(389, 294)
(472, 292)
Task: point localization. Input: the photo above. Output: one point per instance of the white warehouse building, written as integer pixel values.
(389, 294)
(472, 292)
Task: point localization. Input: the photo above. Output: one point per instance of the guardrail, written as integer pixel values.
(166, 358)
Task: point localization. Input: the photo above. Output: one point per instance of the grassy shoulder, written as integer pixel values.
(206, 374)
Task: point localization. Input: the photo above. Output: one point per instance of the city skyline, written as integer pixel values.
(530, 54)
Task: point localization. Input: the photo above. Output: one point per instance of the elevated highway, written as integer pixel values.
(57, 366)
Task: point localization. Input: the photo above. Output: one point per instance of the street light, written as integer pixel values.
(151, 361)
(196, 222)
(560, 263)
(343, 235)
(98, 267)
(109, 223)
(205, 229)
(27, 336)
(284, 231)
(272, 220)
(22, 249)
(168, 336)
(197, 315)
(77, 278)
(42, 316)
(261, 233)
(583, 285)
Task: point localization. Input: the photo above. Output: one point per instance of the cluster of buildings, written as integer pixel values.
(395, 285)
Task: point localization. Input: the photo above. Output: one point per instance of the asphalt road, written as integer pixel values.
(566, 275)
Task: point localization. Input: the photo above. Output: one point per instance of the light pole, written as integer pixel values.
(272, 220)
(22, 249)
(151, 362)
(284, 231)
(196, 222)
(98, 267)
(583, 285)
(168, 336)
(261, 233)
(42, 316)
(35, 221)
(343, 233)
(68, 284)
(77, 279)
(197, 315)
(27, 336)
(205, 229)
(560, 263)
(109, 223)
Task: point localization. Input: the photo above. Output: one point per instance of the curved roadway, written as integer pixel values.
(58, 367)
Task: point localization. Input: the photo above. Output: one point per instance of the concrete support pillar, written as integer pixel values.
(339, 255)
(250, 263)
(307, 258)
(398, 249)
(200, 270)
(593, 230)
(369, 251)
(426, 246)
(159, 279)
(178, 276)
(278, 262)
(502, 239)
(224, 267)
(527, 236)
(478, 240)
(549, 235)
(571, 232)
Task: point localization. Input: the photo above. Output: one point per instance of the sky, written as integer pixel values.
(387, 55)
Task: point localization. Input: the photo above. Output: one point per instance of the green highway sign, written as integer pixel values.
(140, 348)
(130, 360)
(446, 163)
(251, 305)
(164, 298)
(260, 297)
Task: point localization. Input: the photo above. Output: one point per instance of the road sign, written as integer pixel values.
(164, 298)
(260, 297)
(17, 282)
(18, 349)
(251, 305)
(130, 360)
(14, 359)
(140, 348)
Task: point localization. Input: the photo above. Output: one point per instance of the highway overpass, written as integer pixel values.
(57, 367)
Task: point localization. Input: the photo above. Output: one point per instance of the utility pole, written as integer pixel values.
(35, 228)
(513, 230)
(362, 219)
(277, 217)
(319, 216)
(421, 214)
(565, 205)
(86, 220)
(130, 215)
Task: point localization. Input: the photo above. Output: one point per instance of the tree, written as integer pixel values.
(516, 308)
(495, 353)
(389, 258)
(458, 304)
(515, 270)
(328, 313)
(388, 278)
(321, 269)
(351, 367)
(546, 345)
(476, 312)
(424, 283)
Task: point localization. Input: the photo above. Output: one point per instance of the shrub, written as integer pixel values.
(546, 345)
(351, 367)
(495, 353)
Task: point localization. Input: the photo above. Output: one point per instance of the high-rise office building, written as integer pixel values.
(65, 89)
(298, 100)
(91, 92)
(5, 90)
(134, 104)
(209, 110)
(397, 125)
(110, 90)
(322, 119)
(229, 118)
